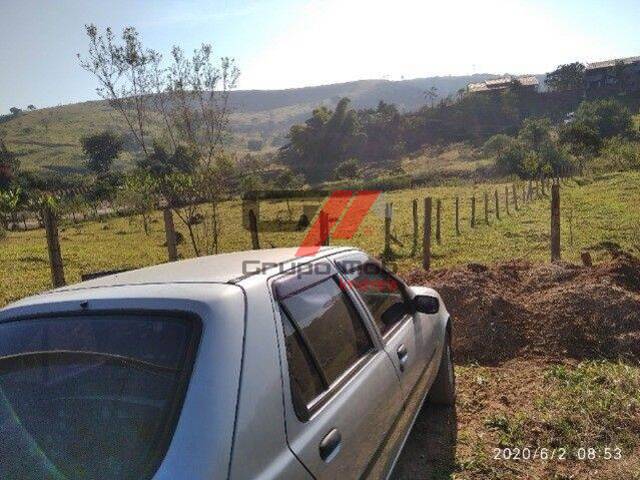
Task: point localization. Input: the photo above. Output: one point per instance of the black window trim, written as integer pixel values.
(389, 334)
(331, 389)
(163, 443)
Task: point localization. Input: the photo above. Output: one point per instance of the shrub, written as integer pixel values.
(535, 132)
(607, 117)
(497, 145)
(348, 169)
(580, 138)
(515, 159)
(618, 153)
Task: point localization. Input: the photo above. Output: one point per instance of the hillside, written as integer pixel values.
(48, 139)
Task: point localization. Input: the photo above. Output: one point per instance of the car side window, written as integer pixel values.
(306, 382)
(383, 295)
(324, 337)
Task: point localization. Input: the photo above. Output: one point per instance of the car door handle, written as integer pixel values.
(403, 355)
(330, 445)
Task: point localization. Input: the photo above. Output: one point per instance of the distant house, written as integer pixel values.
(503, 83)
(621, 75)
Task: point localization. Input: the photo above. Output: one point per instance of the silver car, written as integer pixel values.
(250, 365)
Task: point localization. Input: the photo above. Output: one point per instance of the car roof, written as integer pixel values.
(223, 268)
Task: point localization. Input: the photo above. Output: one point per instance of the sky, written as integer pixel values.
(295, 43)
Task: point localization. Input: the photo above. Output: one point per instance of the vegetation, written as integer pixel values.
(592, 219)
(9, 166)
(177, 114)
(566, 78)
(586, 412)
(101, 150)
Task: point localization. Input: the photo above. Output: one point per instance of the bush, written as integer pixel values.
(607, 117)
(515, 159)
(580, 138)
(618, 153)
(348, 169)
(497, 145)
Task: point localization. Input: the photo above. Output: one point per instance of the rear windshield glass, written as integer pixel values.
(91, 397)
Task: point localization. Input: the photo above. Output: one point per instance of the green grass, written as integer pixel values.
(603, 211)
(567, 408)
(49, 139)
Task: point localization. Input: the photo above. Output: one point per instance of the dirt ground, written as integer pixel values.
(513, 324)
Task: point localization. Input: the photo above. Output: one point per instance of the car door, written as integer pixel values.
(341, 391)
(405, 335)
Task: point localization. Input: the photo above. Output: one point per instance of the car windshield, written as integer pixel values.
(90, 397)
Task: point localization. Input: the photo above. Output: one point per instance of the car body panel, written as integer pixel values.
(237, 418)
(201, 443)
(260, 399)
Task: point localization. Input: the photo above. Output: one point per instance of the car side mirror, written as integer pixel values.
(426, 304)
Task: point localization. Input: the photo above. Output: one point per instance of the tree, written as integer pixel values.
(10, 202)
(139, 196)
(535, 133)
(15, 111)
(607, 117)
(431, 94)
(568, 77)
(287, 180)
(324, 141)
(516, 159)
(347, 170)
(31, 107)
(581, 139)
(101, 149)
(383, 130)
(9, 166)
(177, 113)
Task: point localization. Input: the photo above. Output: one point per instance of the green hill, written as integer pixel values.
(48, 139)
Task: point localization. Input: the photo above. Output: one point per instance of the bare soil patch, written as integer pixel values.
(555, 311)
(547, 356)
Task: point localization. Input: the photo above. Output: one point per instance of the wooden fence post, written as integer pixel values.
(486, 208)
(414, 248)
(524, 194)
(170, 234)
(324, 228)
(438, 219)
(555, 223)
(515, 197)
(426, 237)
(457, 216)
(388, 212)
(543, 186)
(497, 205)
(253, 227)
(53, 246)
(506, 199)
(473, 211)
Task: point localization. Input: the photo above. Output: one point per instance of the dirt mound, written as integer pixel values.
(552, 310)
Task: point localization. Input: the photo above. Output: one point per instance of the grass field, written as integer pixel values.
(534, 420)
(49, 139)
(597, 213)
(560, 405)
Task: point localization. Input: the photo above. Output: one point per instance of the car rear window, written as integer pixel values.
(91, 397)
